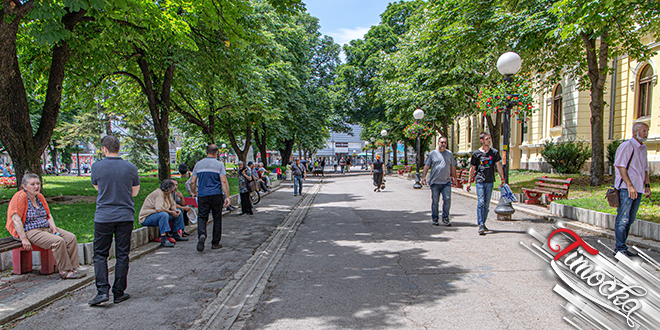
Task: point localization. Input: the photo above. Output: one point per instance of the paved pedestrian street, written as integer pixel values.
(340, 257)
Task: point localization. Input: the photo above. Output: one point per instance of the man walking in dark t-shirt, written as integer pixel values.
(482, 170)
(208, 183)
(117, 182)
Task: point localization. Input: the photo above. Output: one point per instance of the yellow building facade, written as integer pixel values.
(563, 114)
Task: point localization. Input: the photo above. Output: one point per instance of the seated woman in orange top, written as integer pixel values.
(30, 221)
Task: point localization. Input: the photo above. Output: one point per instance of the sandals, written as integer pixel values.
(72, 275)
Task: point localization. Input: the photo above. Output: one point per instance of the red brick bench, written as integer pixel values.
(22, 259)
(457, 182)
(551, 188)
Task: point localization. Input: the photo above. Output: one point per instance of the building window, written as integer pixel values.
(644, 96)
(557, 106)
(458, 136)
(469, 130)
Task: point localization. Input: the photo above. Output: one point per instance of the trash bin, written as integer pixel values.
(288, 175)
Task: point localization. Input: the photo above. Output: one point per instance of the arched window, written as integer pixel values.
(644, 96)
(557, 106)
(469, 130)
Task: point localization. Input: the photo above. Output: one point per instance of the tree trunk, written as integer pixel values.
(240, 153)
(394, 150)
(160, 111)
(286, 152)
(405, 153)
(23, 147)
(597, 65)
(495, 130)
(260, 141)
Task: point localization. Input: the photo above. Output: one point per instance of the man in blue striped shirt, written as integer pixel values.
(208, 183)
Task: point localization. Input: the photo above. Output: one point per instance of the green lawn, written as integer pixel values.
(78, 218)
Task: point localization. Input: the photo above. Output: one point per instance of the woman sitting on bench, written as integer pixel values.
(159, 209)
(30, 221)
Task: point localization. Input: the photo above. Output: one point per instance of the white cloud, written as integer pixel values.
(344, 35)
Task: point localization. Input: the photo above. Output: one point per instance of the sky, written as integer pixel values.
(345, 20)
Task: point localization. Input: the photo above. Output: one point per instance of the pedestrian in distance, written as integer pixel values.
(299, 174)
(159, 208)
(30, 221)
(349, 163)
(323, 166)
(443, 167)
(377, 173)
(244, 179)
(632, 179)
(209, 184)
(117, 182)
(342, 165)
(482, 171)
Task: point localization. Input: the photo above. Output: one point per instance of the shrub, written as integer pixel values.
(566, 157)
(611, 151)
(463, 161)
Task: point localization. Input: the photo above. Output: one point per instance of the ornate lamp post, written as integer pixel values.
(373, 144)
(508, 65)
(418, 114)
(224, 145)
(383, 133)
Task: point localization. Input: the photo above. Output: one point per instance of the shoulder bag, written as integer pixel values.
(612, 194)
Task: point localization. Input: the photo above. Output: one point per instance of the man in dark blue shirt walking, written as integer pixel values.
(208, 183)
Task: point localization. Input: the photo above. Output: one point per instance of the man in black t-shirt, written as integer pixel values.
(117, 182)
(377, 173)
(482, 170)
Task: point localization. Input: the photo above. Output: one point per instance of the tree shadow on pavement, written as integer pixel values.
(357, 268)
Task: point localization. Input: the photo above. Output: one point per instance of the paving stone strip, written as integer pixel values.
(249, 282)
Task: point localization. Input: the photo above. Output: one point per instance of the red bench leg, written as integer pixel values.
(22, 261)
(532, 198)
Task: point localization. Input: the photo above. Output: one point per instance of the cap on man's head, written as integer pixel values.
(250, 163)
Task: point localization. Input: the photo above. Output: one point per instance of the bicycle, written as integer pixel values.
(255, 197)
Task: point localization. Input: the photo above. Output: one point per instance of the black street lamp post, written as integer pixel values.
(508, 64)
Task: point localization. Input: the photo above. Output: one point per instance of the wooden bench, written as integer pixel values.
(551, 188)
(22, 259)
(406, 169)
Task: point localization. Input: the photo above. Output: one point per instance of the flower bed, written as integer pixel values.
(7, 182)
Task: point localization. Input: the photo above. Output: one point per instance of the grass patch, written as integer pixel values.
(78, 218)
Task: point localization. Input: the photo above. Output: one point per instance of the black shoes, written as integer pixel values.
(435, 223)
(100, 298)
(164, 242)
(178, 238)
(230, 208)
(627, 254)
(117, 299)
(216, 246)
(200, 243)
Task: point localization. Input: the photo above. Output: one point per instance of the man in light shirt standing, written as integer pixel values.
(443, 167)
(632, 180)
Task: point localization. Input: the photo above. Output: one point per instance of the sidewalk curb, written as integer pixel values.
(48, 295)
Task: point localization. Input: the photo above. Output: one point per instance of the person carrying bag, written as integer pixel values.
(612, 194)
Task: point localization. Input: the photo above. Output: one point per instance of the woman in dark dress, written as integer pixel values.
(377, 172)
(244, 177)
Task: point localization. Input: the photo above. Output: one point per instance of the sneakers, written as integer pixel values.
(216, 246)
(435, 223)
(626, 253)
(178, 238)
(482, 230)
(100, 298)
(117, 299)
(446, 222)
(200, 243)
(164, 242)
